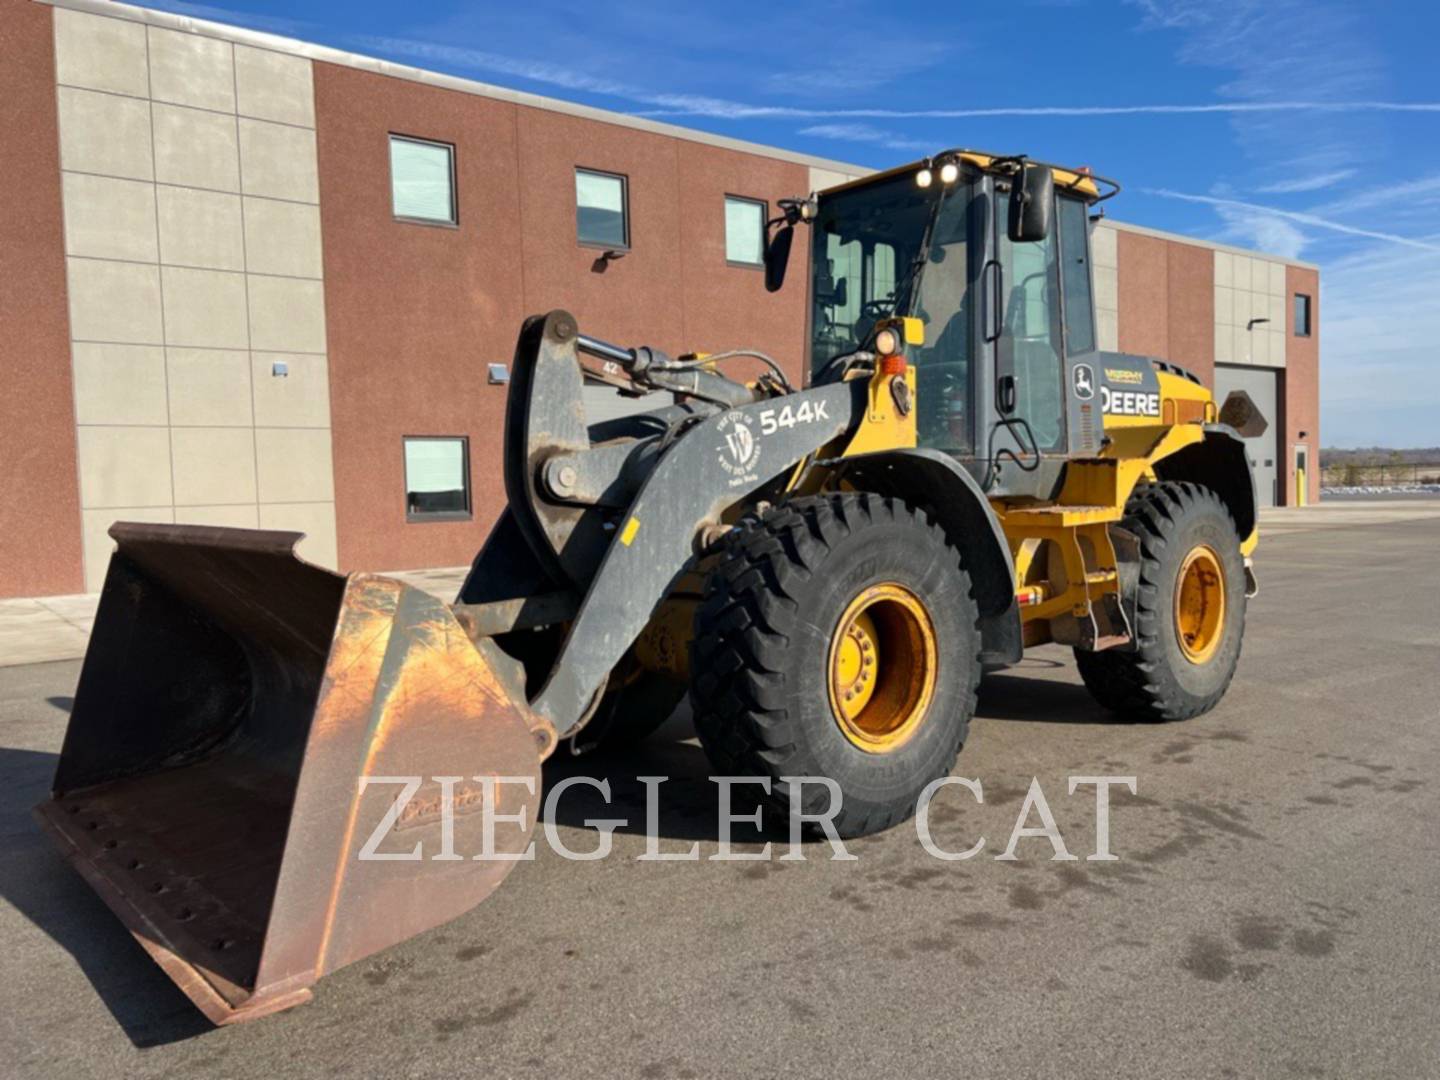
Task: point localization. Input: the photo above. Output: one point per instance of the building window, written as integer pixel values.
(422, 180)
(437, 479)
(602, 211)
(744, 231)
(1302, 315)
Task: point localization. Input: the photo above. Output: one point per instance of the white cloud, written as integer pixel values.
(1307, 183)
(699, 105)
(1292, 216)
(865, 133)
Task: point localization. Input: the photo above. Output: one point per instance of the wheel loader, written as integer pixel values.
(827, 570)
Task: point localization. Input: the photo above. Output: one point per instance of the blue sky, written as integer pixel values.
(1302, 127)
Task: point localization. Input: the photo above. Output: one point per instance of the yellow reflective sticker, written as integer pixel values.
(627, 536)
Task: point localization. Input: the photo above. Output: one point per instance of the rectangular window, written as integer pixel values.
(437, 479)
(422, 180)
(1075, 278)
(601, 209)
(744, 231)
(1302, 315)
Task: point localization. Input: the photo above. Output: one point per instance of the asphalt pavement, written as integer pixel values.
(1271, 910)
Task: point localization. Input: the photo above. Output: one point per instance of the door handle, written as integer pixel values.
(1005, 394)
(994, 308)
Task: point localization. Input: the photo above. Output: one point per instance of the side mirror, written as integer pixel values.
(840, 295)
(777, 257)
(1032, 202)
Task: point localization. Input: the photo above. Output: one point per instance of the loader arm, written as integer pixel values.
(619, 522)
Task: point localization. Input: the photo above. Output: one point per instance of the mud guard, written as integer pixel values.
(935, 481)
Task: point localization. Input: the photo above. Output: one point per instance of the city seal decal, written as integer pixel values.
(739, 452)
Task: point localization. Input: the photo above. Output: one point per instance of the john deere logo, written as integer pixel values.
(1084, 382)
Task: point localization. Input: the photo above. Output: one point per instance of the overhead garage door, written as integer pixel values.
(1262, 384)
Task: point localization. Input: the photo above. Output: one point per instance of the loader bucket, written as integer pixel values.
(210, 785)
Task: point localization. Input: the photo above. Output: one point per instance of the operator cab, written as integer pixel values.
(992, 255)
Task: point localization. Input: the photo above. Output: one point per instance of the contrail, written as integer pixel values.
(1290, 215)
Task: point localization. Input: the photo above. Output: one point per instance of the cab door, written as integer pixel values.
(1027, 440)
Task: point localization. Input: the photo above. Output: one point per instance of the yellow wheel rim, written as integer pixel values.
(1200, 604)
(882, 669)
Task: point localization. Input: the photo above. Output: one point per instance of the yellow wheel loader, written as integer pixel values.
(272, 770)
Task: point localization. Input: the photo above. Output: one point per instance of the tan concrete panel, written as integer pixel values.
(209, 387)
(820, 179)
(282, 238)
(1243, 272)
(1107, 329)
(108, 218)
(114, 301)
(105, 133)
(245, 516)
(1224, 341)
(1276, 282)
(1224, 306)
(200, 228)
(1107, 288)
(196, 148)
(100, 54)
(273, 86)
(124, 466)
(1225, 269)
(286, 315)
(189, 69)
(119, 384)
(1102, 246)
(294, 465)
(205, 307)
(278, 160)
(299, 398)
(1275, 310)
(96, 536)
(316, 520)
(213, 465)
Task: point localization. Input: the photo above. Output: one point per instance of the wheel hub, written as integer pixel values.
(1200, 604)
(883, 665)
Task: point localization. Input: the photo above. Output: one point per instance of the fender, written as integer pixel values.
(936, 482)
(1219, 462)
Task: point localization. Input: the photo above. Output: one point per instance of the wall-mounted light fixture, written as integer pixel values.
(1254, 323)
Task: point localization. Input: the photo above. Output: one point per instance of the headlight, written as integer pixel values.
(887, 342)
(924, 177)
(949, 172)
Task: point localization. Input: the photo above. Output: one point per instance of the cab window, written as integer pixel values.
(1075, 273)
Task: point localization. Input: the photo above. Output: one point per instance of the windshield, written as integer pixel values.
(865, 242)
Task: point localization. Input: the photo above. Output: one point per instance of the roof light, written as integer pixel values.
(949, 172)
(923, 178)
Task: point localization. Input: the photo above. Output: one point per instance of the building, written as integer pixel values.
(254, 282)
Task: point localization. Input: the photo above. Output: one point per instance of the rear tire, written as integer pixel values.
(1183, 665)
(793, 593)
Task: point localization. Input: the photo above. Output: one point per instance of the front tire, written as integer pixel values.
(1190, 609)
(838, 638)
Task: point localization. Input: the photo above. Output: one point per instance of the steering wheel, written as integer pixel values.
(877, 309)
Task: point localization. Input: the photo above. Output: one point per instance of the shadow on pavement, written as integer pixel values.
(1012, 695)
(145, 1003)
